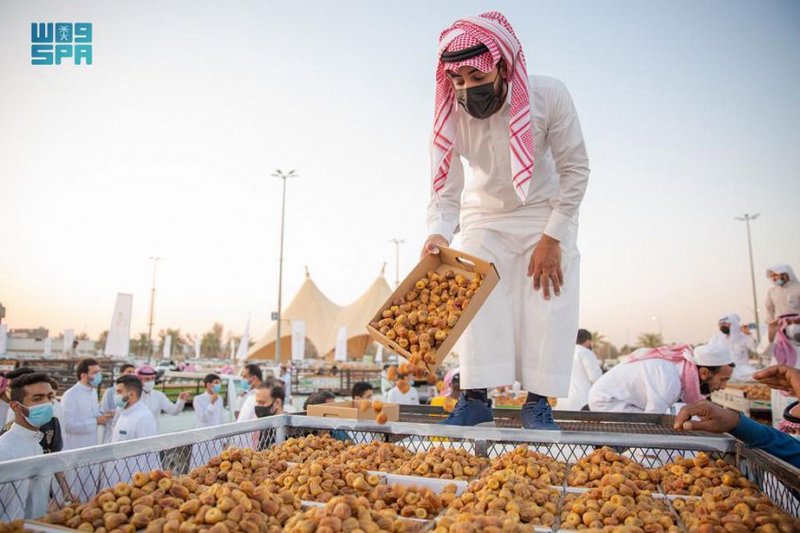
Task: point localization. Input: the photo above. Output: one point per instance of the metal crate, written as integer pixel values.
(30, 484)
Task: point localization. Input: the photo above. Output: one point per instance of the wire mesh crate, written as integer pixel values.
(29, 486)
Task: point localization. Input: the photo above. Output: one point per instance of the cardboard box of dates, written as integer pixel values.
(352, 409)
(431, 308)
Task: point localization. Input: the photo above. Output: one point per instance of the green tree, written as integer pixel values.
(140, 345)
(650, 340)
(211, 343)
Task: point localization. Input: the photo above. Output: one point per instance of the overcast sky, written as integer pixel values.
(165, 145)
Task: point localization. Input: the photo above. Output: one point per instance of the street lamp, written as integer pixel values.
(658, 318)
(747, 218)
(280, 174)
(397, 243)
(152, 308)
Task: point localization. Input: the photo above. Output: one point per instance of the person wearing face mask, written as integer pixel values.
(731, 334)
(210, 410)
(781, 346)
(208, 406)
(107, 403)
(135, 421)
(783, 298)
(31, 400)
(269, 401)
(653, 380)
(518, 208)
(253, 379)
(156, 400)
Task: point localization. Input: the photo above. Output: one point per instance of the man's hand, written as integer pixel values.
(545, 266)
(432, 245)
(780, 377)
(105, 417)
(184, 396)
(713, 418)
(772, 329)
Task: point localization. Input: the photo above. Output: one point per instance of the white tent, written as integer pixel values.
(324, 319)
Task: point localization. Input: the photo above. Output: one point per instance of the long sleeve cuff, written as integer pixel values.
(557, 225)
(443, 228)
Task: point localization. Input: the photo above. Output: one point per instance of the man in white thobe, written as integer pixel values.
(586, 371)
(155, 400)
(783, 298)
(82, 416)
(107, 403)
(135, 421)
(789, 330)
(210, 410)
(31, 402)
(517, 209)
(731, 335)
(253, 378)
(653, 380)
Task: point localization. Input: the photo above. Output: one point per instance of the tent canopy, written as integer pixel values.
(323, 319)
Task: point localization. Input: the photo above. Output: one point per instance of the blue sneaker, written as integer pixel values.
(469, 413)
(538, 415)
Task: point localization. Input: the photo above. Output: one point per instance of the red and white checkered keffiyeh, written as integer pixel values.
(494, 31)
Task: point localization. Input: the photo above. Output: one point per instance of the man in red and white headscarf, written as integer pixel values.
(518, 209)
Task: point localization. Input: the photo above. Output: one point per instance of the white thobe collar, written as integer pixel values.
(25, 433)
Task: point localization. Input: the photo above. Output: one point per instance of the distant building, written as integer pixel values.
(38, 334)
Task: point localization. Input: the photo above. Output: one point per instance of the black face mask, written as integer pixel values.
(725, 329)
(264, 410)
(480, 101)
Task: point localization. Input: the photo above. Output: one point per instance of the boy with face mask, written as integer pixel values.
(156, 400)
(783, 298)
(31, 400)
(210, 410)
(517, 209)
(107, 403)
(135, 421)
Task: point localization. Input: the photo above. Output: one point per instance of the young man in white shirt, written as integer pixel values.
(156, 400)
(518, 208)
(135, 421)
(586, 371)
(107, 403)
(209, 406)
(409, 397)
(31, 402)
(81, 409)
(254, 378)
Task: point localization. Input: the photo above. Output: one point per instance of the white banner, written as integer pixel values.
(197, 347)
(118, 341)
(48, 346)
(167, 347)
(379, 354)
(244, 344)
(340, 353)
(232, 348)
(69, 336)
(3, 338)
(298, 340)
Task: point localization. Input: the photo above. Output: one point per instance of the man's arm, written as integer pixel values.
(772, 441)
(565, 138)
(443, 216)
(591, 365)
(169, 407)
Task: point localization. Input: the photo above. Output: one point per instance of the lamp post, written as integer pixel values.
(155, 261)
(283, 176)
(657, 318)
(747, 218)
(397, 243)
